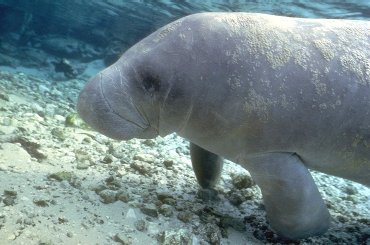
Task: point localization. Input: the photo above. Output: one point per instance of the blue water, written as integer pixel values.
(137, 18)
(104, 29)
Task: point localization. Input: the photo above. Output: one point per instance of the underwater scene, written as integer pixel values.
(184, 122)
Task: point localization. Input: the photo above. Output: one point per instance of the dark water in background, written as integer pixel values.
(111, 26)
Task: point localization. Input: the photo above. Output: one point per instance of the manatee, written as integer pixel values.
(277, 95)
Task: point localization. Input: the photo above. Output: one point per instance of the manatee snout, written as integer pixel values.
(105, 104)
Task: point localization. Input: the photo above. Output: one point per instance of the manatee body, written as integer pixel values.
(275, 94)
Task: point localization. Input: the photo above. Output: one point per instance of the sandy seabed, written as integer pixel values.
(63, 184)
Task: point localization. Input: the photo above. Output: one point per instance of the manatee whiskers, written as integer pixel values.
(113, 111)
(143, 115)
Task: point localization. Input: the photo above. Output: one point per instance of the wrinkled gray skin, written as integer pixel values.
(277, 95)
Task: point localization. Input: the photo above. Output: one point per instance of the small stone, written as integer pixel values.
(144, 157)
(149, 142)
(9, 201)
(59, 134)
(185, 216)
(81, 156)
(10, 193)
(108, 196)
(142, 167)
(241, 181)
(141, 225)
(150, 210)
(86, 140)
(33, 148)
(122, 238)
(99, 188)
(342, 219)
(166, 210)
(247, 194)
(113, 183)
(180, 237)
(123, 196)
(41, 202)
(28, 221)
(45, 242)
(108, 159)
(4, 96)
(161, 195)
(350, 190)
(83, 165)
(12, 237)
(60, 176)
(168, 163)
(62, 220)
(235, 198)
(169, 201)
(213, 233)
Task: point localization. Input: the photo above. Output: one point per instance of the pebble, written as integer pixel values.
(235, 198)
(58, 133)
(166, 210)
(4, 96)
(122, 238)
(123, 196)
(82, 155)
(179, 237)
(61, 175)
(168, 163)
(10, 196)
(141, 225)
(10, 193)
(185, 216)
(149, 142)
(41, 202)
(99, 188)
(150, 210)
(142, 167)
(108, 159)
(83, 165)
(113, 183)
(162, 195)
(108, 196)
(9, 201)
(350, 190)
(145, 157)
(12, 237)
(213, 233)
(241, 181)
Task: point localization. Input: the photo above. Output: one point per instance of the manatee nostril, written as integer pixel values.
(151, 83)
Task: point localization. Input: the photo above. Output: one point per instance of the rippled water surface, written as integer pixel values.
(138, 18)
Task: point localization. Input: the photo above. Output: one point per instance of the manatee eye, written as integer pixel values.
(151, 84)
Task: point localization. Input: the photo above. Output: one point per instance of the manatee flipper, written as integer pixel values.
(294, 206)
(206, 165)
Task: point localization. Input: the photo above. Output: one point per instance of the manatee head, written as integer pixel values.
(118, 103)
